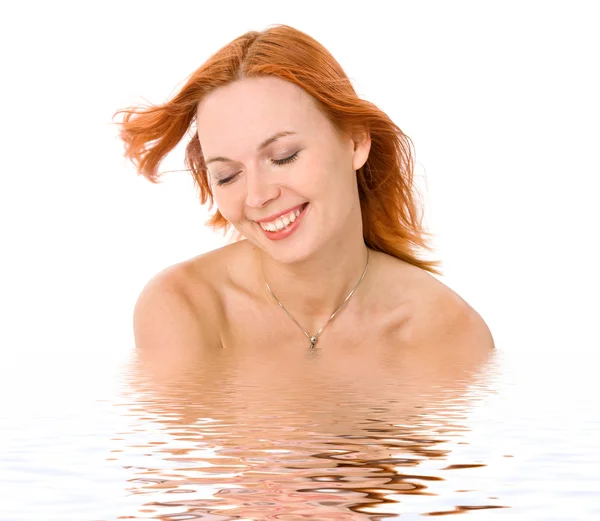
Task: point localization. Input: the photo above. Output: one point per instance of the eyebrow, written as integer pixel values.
(262, 146)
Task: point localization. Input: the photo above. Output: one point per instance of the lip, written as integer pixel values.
(274, 216)
(286, 232)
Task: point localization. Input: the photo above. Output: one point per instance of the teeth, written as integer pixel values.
(281, 222)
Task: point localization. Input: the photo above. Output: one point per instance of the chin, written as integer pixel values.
(291, 255)
(286, 252)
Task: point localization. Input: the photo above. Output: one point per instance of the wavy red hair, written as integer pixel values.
(391, 214)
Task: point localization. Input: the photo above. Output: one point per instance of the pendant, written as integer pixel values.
(313, 341)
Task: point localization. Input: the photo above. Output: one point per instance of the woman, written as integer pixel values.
(318, 184)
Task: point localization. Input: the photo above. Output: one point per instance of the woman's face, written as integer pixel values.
(269, 150)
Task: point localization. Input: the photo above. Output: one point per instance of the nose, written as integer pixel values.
(259, 189)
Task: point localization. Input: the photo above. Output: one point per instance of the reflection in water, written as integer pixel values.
(238, 435)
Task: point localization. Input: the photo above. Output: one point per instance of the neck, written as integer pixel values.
(313, 289)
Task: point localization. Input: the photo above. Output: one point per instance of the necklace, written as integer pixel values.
(313, 338)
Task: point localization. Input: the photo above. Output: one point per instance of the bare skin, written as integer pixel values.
(219, 301)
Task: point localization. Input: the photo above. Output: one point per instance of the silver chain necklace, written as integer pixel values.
(313, 339)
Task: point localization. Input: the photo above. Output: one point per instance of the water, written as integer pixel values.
(245, 437)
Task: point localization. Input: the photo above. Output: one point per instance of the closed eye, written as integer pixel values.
(284, 161)
(287, 160)
(226, 180)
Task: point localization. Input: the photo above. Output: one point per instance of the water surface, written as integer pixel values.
(303, 435)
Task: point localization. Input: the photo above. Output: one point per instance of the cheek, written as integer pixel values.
(340, 190)
(334, 180)
(229, 205)
(314, 178)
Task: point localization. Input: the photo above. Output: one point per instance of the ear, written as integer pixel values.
(362, 147)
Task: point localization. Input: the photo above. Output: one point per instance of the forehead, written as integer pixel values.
(244, 113)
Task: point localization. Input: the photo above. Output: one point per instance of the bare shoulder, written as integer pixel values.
(445, 319)
(439, 317)
(178, 309)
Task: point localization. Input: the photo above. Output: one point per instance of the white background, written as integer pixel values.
(501, 100)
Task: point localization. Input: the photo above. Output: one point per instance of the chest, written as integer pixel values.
(264, 325)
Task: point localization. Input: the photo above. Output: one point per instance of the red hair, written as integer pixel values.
(391, 214)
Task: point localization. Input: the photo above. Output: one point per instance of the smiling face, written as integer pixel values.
(268, 151)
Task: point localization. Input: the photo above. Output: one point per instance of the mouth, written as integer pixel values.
(282, 221)
(284, 225)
